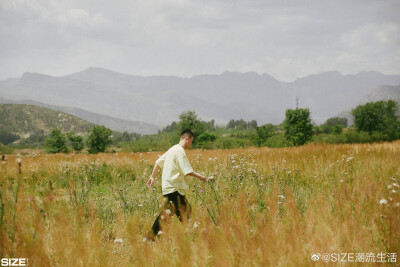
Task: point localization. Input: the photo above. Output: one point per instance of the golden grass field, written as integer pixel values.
(266, 207)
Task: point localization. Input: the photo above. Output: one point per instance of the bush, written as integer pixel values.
(5, 150)
(357, 137)
(99, 139)
(228, 142)
(76, 141)
(264, 132)
(205, 140)
(297, 125)
(374, 117)
(333, 125)
(277, 141)
(56, 142)
(337, 129)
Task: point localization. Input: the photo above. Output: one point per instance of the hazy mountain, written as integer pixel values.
(380, 93)
(231, 95)
(118, 125)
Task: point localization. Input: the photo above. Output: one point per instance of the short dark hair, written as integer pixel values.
(187, 132)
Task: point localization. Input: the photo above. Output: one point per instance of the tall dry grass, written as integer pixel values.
(266, 207)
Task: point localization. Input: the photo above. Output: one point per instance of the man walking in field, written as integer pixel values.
(175, 171)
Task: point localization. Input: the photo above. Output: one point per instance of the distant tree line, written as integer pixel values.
(98, 140)
(374, 121)
(242, 125)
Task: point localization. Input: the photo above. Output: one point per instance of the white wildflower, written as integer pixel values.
(281, 196)
(160, 232)
(383, 201)
(395, 185)
(397, 204)
(389, 187)
(18, 160)
(394, 191)
(118, 240)
(195, 225)
(168, 211)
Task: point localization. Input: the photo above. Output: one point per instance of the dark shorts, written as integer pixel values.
(178, 205)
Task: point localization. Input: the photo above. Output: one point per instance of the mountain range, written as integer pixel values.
(156, 101)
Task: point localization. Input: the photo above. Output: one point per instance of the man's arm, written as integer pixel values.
(198, 175)
(152, 177)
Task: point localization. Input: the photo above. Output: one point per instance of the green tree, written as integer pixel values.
(76, 141)
(252, 124)
(205, 140)
(378, 119)
(337, 129)
(264, 132)
(56, 142)
(298, 126)
(99, 139)
(171, 128)
(241, 124)
(190, 120)
(126, 137)
(7, 137)
(336, 121)
(231, 124)
(334, 125)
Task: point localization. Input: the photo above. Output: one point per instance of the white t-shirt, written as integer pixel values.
(175, 166)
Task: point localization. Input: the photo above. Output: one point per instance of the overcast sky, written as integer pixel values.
(284, 38)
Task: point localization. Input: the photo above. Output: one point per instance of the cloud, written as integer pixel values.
(287, 39)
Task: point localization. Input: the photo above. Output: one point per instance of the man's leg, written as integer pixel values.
(184, 208)
(177, 204)
(156, 226)
(172, 205)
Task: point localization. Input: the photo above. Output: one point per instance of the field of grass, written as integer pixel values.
(266, 207)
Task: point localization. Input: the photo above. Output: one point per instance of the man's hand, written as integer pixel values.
(150, 182)
(154, 173)
(211, 179)
(201, 177)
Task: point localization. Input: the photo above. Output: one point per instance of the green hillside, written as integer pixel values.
(26, 120)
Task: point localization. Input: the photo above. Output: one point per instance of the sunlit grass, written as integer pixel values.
(265, 206)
